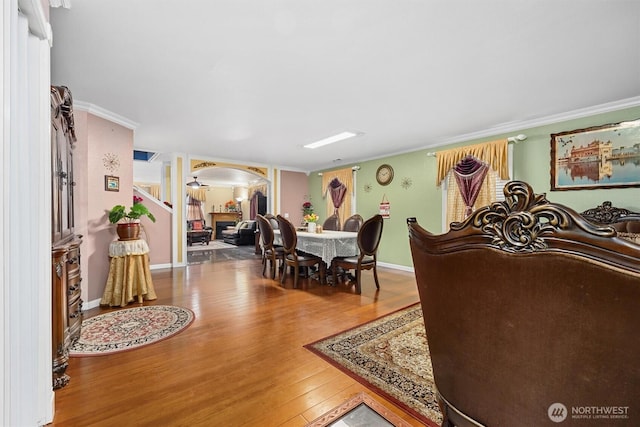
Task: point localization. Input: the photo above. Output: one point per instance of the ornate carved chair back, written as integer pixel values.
(537, 298)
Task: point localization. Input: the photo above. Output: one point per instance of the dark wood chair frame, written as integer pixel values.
(270, 253)
(292, 257)
(369, 237)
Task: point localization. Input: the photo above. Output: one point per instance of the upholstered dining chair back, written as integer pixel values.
(353, 223)
(530, 311)
(332, 223)
(269, 251)
(266, 231)
(294, 259)
(370, 234)
(272, 220)
(368, 241)
(288, 234)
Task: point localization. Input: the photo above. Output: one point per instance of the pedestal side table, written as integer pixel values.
(129, 274)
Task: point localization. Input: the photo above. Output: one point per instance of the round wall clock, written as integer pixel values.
(384, 174)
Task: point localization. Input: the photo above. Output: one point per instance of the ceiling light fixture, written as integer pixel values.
(332, 139)
(194, 183)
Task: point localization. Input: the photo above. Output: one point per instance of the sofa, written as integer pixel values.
(531, 316)
(624, 221)
(244, 233)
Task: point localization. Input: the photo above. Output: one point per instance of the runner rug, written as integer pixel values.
(390, 356)
(129, 328)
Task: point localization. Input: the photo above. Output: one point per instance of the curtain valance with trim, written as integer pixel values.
(197, 193)
(494, 153)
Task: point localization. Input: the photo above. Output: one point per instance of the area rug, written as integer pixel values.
(129, 328)
(390, 356)
(214, 244)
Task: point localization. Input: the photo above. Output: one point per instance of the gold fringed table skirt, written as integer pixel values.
(129, 277)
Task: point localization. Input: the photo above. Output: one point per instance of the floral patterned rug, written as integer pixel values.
(129, 328)
(389, 355)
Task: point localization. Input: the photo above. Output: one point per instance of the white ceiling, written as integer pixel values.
(254, 80)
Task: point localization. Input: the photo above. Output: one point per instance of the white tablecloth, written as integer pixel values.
(328, 244)
(128, 247)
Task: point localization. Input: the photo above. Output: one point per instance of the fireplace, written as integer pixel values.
(222, 225)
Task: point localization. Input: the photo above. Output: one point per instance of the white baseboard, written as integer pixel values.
(87, 305)
(396, 266)
(160, 266)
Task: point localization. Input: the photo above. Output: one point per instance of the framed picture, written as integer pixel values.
(111, 183)
(606, 156)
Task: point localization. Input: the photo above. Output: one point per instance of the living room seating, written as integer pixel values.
(625, 221)
(294, 259)
(368, 240)
(531, 314)
(198, 232)
(244, 233)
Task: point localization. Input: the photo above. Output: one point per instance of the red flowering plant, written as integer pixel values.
(307, 208)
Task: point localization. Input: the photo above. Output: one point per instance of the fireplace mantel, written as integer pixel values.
(223, 216)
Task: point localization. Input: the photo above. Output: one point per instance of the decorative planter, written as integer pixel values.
(311, 227)
(128, 230)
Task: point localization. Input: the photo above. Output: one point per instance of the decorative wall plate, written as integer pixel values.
(111, 162)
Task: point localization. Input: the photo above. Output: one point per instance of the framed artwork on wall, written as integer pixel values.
(606, 156)
(111, 183)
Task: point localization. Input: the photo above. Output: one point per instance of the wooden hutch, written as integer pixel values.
(65, 250)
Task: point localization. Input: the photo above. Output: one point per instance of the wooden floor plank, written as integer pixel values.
(241, 362)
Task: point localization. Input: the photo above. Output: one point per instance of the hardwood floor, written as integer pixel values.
(241, 362)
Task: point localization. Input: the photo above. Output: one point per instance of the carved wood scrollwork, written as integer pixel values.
(59, 269)
(607, 214)
(523, 221)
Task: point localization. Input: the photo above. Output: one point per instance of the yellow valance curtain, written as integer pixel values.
(494, 153)
(345, 176)
(197, 193)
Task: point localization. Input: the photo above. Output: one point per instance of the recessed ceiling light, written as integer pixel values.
(331, 139)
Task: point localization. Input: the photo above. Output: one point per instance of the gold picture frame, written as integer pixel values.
(111, 183)
(604, 156)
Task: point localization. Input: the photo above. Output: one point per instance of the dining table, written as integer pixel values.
(327, 244)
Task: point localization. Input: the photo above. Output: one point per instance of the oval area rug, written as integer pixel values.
(129, 328)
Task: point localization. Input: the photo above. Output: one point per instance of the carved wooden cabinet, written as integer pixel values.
(65, 251)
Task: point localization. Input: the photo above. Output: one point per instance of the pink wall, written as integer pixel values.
(294, 186)
(97, 137)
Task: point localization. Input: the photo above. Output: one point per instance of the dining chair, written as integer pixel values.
(368, 241)
(332, 223)
(353, 223)
(294, 259)
(270, 253)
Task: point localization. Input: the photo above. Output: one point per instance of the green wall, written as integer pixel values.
(423, 199)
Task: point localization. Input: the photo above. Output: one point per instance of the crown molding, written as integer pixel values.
(105, 114)
(543, 121)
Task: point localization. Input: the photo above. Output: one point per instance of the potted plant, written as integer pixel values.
(128, 222)
(311, 220)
